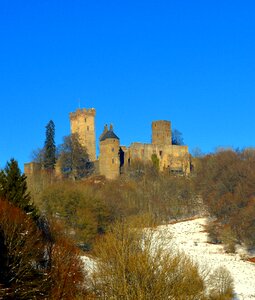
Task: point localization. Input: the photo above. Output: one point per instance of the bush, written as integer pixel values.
(82, 212)
(131, 266)
(222, 285)
(228, 238)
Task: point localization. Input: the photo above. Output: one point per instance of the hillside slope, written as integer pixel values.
(191, 238)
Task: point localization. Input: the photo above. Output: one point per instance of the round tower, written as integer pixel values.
(83, 123)
(161, 133)
(109, 162)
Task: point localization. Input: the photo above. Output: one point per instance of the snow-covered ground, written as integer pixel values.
(191, 238)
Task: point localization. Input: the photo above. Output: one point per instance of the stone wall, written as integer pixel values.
(31, 168)
(171, 157)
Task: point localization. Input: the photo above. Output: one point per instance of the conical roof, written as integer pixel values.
(108, 134)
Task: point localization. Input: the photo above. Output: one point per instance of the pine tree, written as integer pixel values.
(49, 159)
(13, 188)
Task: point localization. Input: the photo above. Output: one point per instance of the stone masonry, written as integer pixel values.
(83, 123)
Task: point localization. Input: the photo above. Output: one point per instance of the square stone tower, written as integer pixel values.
(83, 123)
(161, 133)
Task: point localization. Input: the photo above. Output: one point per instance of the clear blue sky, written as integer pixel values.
(191, 62)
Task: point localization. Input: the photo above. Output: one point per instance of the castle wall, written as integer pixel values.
(109, 163)
(83, 123)
(31, 168)
(172, 157)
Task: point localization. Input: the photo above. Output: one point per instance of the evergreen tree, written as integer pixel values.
(13, 188)
(49, 153)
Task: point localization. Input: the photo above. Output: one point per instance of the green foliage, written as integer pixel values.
(73, 158)
(49, 153)
(155, 161)
(83, 214)
(13, 188)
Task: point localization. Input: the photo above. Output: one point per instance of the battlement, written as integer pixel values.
(161, 122)
(83, 112)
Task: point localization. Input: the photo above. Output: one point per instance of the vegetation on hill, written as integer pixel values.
(222, 181)
(131, 264)
(226, 182)
(32, 249)
(88, 207)
(13, 188)
(94, 214)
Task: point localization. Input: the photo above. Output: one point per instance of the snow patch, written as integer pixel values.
(191, 238)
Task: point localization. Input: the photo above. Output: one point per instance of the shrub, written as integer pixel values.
(127, 269)
(222, 285)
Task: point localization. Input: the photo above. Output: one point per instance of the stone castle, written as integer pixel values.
(114, 157)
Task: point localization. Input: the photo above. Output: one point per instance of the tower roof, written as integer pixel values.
(109, 134)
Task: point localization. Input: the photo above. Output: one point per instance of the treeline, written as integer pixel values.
(88, 207)
(226, 182)
(44, 226)
(39, 257)
(223, 181)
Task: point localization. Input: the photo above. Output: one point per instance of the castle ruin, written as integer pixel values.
(114, 157)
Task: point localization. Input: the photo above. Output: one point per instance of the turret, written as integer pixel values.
(109, 162)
